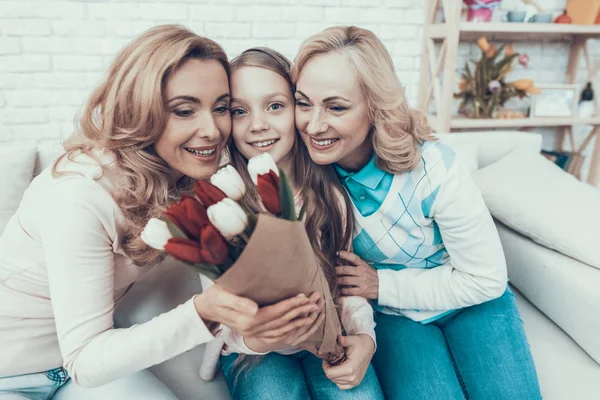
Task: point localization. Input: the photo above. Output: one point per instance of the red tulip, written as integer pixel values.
(214, 246)
(185, 250)
(208, 193)
(267, 186)
(189, 215)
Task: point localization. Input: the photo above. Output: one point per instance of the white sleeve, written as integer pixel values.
(357, 317)
(234, 342)
(476, 271)
(81, 270)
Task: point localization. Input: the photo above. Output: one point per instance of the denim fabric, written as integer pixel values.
(296, 376)
(479, 353)
(38, 386)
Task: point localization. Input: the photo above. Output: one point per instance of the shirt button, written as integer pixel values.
(362, 198)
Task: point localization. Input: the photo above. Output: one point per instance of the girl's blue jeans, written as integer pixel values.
(295, 376)
(479, 353)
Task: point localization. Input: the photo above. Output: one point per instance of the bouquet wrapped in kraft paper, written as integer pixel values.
(278, 263)
(266, 257)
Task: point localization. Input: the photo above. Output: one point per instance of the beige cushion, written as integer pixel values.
(536, 198)
(16, 172)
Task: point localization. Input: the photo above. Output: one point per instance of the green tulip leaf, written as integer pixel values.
(210, 271)
(286, 197)
(174, 229)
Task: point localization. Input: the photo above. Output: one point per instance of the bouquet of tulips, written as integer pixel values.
(266, 257)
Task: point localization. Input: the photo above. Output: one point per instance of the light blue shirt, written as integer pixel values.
(367, 187)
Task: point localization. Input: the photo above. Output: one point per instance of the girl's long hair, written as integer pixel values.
(126, 115)
(328, 212)
(397, 131)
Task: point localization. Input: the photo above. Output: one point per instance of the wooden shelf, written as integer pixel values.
(515, 31)
(438, 77)
(472, 123)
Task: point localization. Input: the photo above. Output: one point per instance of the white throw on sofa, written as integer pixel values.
(549, 225)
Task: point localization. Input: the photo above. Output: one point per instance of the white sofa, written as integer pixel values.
(557, 294)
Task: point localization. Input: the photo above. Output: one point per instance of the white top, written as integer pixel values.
(62, 272)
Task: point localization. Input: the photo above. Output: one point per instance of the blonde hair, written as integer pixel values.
(126, 115)
(397, 131)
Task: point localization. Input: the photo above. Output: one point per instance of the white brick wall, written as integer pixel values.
(52, 53)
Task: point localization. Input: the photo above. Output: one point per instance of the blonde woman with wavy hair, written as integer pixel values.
(426, 252)
(157, 122)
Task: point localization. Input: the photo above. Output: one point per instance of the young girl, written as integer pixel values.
(262, 111)
(447, 325)
(157, 122)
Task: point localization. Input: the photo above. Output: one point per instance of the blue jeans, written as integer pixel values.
(479, 353)
(55, 385)
(37, 386)
(295, 376)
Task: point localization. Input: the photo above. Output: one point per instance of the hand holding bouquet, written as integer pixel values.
(266, 257)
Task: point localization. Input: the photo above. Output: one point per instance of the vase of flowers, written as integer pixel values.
(483, 89)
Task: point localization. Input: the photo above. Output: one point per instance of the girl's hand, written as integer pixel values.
(358, 278)
(350, 373)
(242, 315)
(293, 333)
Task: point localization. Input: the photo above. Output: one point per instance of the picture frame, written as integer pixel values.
(556, 100)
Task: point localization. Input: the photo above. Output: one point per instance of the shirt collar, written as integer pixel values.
(368, 176)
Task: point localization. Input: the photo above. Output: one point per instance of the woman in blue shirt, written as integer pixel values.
(426, 251)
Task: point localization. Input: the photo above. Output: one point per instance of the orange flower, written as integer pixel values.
(508, 50)
(526, 85)
(491, 51)
(483, 44)
(462, 85)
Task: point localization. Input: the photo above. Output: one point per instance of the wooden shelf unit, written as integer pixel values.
(438, 72)
(515, 31)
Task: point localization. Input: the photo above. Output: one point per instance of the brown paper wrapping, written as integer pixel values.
(278, 263)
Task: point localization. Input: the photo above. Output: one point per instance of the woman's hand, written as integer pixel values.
(358, 278)
(294, 332)
(350, 373)
(242, 315)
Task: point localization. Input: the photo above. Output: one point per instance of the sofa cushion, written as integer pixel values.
(563, 288)
(492, 146)
(563, 368)
(48, 152)
(16, 171)
(538, 199)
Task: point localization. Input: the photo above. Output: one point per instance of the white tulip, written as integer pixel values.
(228, 217)
(261, 165)
(230, 182)
(156, 234)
